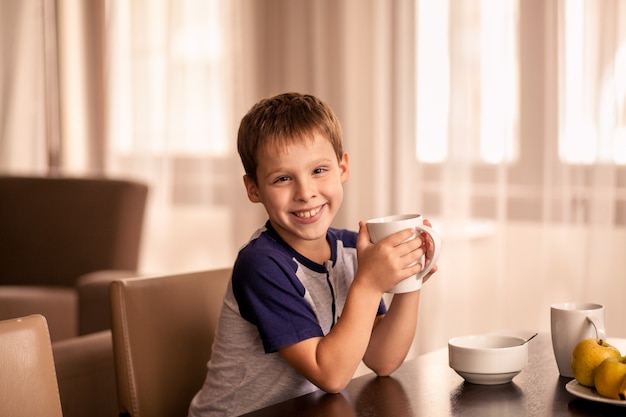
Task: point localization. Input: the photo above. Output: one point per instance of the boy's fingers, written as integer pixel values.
(363, 238)
(400, 237)
(428, 242)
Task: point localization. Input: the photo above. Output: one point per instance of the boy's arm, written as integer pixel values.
(330, 361)
(393, 336)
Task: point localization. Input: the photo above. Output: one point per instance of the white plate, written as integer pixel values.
(574, 388)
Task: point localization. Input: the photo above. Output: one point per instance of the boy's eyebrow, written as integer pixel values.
(281, 169)
(323, 160)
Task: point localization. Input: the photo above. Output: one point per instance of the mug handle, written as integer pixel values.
(600, 331)
(436, 246)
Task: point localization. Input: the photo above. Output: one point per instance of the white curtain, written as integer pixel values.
(177, 86)
(182, 74)
(24, 93)
(479, 134)
(538, 226)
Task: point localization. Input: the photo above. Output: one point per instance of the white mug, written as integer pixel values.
(382, 227)
(570, 323)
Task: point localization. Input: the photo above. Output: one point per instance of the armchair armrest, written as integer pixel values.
(58, 305)
(94, 307)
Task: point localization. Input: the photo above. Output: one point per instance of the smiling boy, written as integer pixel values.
(304, 306)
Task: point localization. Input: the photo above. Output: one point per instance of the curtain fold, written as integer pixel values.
(23, 122)
(82, 86)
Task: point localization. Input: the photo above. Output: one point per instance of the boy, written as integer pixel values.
(298, 314)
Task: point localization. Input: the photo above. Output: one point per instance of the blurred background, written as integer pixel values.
(502, 121)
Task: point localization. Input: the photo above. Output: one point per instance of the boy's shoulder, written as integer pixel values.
(266, 239)
(266, 247)
(347, 237)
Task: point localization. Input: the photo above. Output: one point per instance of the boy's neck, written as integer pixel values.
(317, 251)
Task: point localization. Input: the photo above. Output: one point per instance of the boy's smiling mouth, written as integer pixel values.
(307, 214)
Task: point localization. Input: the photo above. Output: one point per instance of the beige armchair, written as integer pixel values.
(55, 230)
(28, 385)
(163, 329)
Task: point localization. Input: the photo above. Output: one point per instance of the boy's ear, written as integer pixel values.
(252, 189)
(344, 167)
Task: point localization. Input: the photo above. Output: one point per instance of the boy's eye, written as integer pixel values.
(282, 178)
(319, 170)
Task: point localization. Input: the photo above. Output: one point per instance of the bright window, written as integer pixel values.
(169, 77)
(467, 81)
(593, 90)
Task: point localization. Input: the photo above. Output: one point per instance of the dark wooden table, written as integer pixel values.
(426, 386)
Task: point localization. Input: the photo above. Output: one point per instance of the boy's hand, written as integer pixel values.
(384, 264)
(430, 248)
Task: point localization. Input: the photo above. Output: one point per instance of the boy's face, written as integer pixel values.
(301, 189)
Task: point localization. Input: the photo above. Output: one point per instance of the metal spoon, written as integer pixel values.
(529, 339)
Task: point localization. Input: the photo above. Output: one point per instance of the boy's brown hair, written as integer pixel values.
(279, 121)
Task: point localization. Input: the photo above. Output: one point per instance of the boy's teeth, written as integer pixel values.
(307, 214)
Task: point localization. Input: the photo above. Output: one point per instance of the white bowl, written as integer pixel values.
(487, 359)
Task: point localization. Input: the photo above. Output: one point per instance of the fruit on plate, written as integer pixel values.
(622, 390)
(609, 378)
(587, 356)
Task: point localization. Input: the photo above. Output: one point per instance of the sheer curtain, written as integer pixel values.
(470, 133)
(27, 120)
(182, 74)
(502, 121)
(543, 222)
(176, 90)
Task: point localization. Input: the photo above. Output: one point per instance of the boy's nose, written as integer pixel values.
(305, 190)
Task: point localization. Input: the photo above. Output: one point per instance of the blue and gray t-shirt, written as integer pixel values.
(276, 298)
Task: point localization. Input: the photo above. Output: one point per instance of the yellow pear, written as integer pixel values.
(622, 390)
(609, 377)
(587, 356)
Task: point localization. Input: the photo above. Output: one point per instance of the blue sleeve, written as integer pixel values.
(271, 297)
(382, 308)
